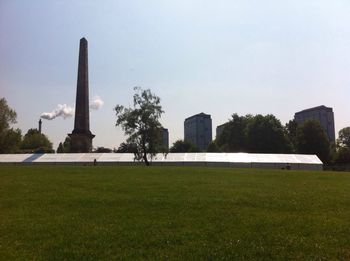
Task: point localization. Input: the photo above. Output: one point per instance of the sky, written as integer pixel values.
(218, 57)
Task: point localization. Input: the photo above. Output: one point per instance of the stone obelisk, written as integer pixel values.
(81, 136)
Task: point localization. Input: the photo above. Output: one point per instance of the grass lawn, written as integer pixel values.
(100, 212)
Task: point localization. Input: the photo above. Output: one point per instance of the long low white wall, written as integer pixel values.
(240, 160)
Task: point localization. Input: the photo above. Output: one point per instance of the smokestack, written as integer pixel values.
(62, 110)
(40, 123)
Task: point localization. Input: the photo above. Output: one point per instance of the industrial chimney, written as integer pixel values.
(40, 123)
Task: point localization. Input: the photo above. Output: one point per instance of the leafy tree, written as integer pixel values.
(11, 141)
(341, 152)
(60, 148)
(10, 138)
(7, 116)
(343, 155)
(344, 138)
(213, 147)
(265, 134)
(141, 123)
(35, 142)
(291, 129)
(312, 139)
(65, 146)
(233, 137)
(183, 146)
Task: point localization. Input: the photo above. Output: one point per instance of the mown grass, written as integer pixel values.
(132, 213)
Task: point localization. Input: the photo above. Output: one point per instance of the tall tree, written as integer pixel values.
(344, 138)
(262, 134)
(36, 142)
(10, 138)
(265, 134)
(141, 123)
(342, 151)
(7, 115)
(233, 137)
(291, 129)
(312, 139)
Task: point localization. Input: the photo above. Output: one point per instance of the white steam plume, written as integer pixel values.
(96, 103)
(62, 110)
(65, 111)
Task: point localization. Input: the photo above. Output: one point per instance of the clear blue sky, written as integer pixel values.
(217, 57)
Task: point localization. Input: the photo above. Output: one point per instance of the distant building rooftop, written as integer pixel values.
(222, 125)
(202, 114)
(315, 108)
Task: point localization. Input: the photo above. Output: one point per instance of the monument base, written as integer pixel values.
(81, 142)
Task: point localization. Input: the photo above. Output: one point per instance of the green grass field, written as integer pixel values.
(99, 212)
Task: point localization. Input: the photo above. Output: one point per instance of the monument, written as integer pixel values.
(81, 136)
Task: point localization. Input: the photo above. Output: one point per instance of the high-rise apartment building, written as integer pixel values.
(322, 114)
(165, 138)
(198, 130)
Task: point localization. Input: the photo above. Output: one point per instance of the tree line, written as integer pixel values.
(266, 134)
(12, 141)
(249, 133)
(141, 124)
